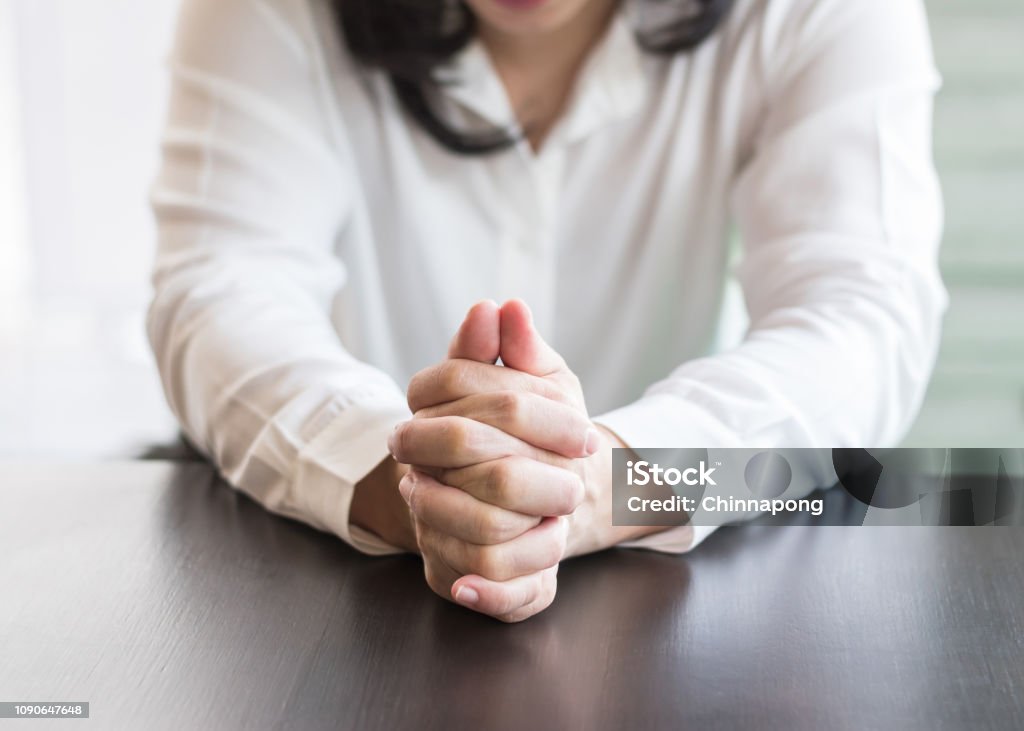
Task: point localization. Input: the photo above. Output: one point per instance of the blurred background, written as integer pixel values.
(82, 90)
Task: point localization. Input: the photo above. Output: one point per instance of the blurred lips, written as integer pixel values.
(520, 4)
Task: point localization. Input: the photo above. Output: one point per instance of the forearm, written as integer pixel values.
(378, 507)
(287, 415)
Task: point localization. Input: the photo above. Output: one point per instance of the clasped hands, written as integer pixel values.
(505, 474)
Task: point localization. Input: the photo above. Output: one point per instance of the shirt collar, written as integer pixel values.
(610, 87)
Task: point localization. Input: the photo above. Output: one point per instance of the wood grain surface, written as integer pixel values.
(169, 601)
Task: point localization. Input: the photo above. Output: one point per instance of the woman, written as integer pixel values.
(344, 178)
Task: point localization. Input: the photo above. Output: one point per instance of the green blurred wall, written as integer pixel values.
(977, 395)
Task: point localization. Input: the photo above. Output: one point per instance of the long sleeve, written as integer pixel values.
(840, 216)
(252, 193)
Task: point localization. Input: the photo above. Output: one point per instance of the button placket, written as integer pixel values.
(518, 207)
(546, 172)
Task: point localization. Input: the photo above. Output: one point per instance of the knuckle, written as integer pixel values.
(417, 384)
(525, 612)
(494, 526)
(487, 527)
(510, 406)
(513, 603)
(507, 600)
(542, 598)
(450, 377)
(499, 472)
(455, 435)
(501, 479)
(489, 562)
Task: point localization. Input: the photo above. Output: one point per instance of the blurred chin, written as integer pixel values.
(525, 16)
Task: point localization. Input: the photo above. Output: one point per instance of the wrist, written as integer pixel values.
(591, 527)
(378, 507)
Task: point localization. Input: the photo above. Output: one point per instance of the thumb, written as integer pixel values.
(522, 347)
(478, 337)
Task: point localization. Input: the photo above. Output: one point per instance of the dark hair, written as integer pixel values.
(409, 39)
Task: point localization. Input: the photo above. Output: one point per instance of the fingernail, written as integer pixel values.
(391, 440)
(593, 442)
(406, 485)
(467, 596)
(529, 312)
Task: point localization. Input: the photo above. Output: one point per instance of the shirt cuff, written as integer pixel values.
(682, 539)
(664, 421)
(341, 455)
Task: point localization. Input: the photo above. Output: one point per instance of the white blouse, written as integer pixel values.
(317, 248)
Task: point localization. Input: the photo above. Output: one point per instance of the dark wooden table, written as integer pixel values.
(167, 600)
